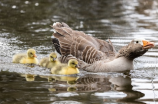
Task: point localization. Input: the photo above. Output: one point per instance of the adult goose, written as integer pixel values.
(94, 54)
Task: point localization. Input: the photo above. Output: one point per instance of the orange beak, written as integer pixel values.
(147, 44)
(34, 55)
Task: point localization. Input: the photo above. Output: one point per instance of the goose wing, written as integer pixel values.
(80, 45)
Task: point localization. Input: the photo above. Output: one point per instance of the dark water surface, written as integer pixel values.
(26, 24)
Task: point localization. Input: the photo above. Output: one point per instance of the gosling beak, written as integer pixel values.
(54, 59)
(34, 55)
(76, 66)
(147, 44)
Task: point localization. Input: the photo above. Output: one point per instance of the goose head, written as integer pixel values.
(73, 63)
(137, 47)
(53, 57)
(31, 53)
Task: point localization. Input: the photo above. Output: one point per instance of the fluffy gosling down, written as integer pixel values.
(71, 68)
(50, 61)
(26, 58)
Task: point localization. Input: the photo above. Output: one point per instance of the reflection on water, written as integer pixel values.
(100, 88)
(28, 77)
(26, 24)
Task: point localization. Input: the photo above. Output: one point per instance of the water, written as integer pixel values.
(26, 24)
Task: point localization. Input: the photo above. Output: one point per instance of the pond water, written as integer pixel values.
(26, 24)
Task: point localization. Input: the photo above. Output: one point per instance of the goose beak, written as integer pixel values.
(147, 44)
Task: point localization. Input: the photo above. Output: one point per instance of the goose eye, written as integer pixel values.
(73, 63)
(31, 53)
(51, 56)
(137, 42)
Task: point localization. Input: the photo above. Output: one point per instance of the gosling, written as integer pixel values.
(26, 58)
(64, 69)
(50, 61)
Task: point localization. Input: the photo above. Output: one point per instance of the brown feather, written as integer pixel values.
(94, 54)
(80, 45)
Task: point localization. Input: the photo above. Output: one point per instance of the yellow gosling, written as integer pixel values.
(26, 58)
(71, 68)
(50, 61)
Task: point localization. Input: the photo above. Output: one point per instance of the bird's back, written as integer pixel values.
(26, 60)
(82, 46)
(59, 69)
(18, 57)
(44, 61)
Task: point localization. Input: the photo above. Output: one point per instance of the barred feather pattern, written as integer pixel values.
(80, 45)
(65, 59)
(94, 54)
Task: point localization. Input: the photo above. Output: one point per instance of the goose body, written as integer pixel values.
(65, 69)
(94, 54)
(26, 58)
(50, 61)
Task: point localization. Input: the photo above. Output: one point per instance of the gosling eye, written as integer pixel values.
(137, 41)
(31, 53)
(51, 56)
(73, 63)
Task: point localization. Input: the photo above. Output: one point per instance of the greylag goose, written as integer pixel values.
(94, 54)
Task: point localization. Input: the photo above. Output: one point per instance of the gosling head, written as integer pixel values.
(53, 57)
(31, 53)
(73, 63)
